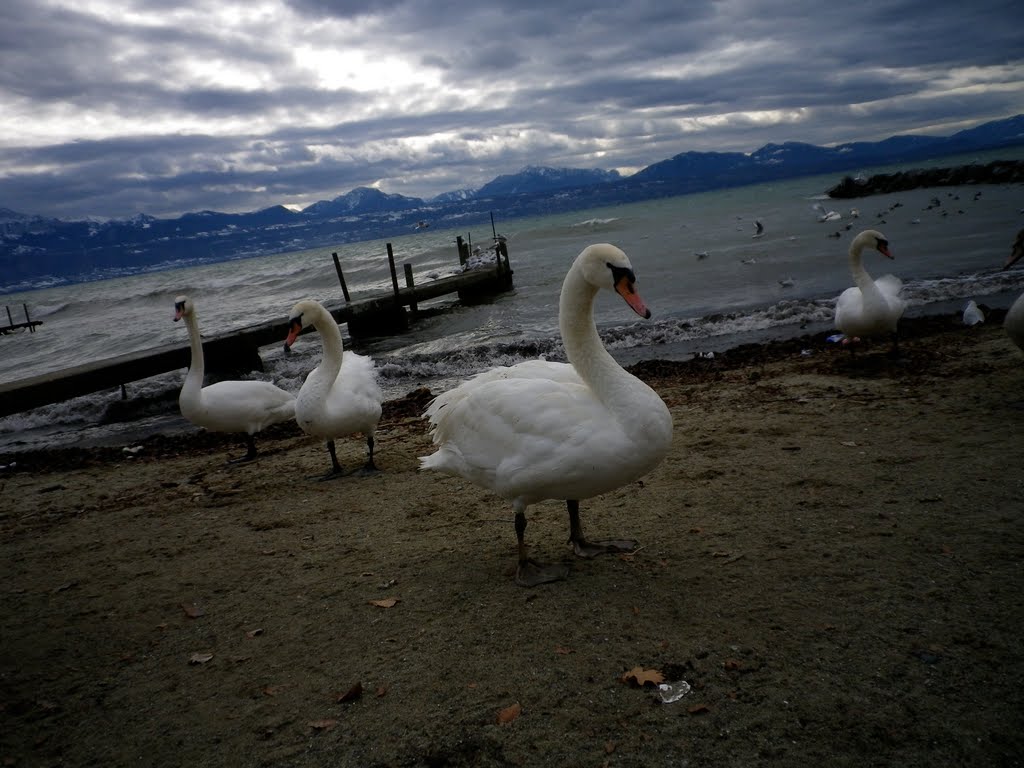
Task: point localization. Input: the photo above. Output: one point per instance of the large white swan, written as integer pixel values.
(541, 430)
(872, 307)
(227, 406)
(340, 396)
(1014, 321)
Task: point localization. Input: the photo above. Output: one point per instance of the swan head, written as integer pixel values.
(183, 307)
(1016, 252)
(605, 266)
(870, 238)
(302, 316)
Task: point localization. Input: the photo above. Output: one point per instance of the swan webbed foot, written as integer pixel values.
(369, 468)
(250, 454)
(530, 573)
(584, 548)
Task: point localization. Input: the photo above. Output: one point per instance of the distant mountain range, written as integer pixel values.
(37, 250)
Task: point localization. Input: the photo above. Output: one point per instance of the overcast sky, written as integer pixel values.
(110, 108)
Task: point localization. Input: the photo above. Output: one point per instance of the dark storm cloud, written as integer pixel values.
(115, 109)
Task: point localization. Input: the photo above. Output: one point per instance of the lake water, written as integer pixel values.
(949, 245)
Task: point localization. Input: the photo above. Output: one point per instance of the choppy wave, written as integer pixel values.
(595, 223)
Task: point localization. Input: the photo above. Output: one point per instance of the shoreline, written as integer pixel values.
(694, 367)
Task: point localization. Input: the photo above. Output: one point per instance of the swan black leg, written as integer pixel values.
(250, 453)
(585, 548)
(369, 468)
(335, 470)
(530, 573)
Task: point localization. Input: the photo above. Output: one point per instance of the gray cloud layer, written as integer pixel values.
(115, 108)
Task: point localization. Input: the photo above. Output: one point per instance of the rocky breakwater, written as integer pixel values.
(996, 172)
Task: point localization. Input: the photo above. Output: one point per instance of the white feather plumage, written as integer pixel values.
(227, 406)
(542, 430)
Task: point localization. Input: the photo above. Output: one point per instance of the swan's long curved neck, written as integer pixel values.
(196, 370)
(330, 336)
(583, 346)
(861, 278)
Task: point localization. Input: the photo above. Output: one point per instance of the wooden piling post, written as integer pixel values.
(394, 274)
(28, 321)
(463, 250)
(341, 277)
(10, 320)
(410, 285)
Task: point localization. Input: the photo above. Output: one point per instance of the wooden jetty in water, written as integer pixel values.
(238, 350)
(13, 326)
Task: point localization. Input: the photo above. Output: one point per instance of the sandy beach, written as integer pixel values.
(831, 560)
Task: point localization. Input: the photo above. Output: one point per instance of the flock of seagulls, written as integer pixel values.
(530, 432)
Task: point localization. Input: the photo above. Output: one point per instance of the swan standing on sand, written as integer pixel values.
(227, 406)
(1014, 321)
(873, 307)
(340, 396)
(540, 430)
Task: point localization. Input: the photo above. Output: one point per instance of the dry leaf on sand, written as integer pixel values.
(640, 677)
(509, 713)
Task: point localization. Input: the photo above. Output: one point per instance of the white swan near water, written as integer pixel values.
(341, 396)
(872, 307)
(1014, 321)
(541, 430)
(227, 406)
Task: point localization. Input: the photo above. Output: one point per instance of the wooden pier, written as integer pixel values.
(238, 350)
(13, 326)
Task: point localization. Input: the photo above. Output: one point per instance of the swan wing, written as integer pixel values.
(241, 406)
(889, 285)
(849, 308)
(353, 403)
(534, 438)
(539, 370)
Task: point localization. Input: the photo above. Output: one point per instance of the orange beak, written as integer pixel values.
(624, 287)
(884, 250)
(294, 329)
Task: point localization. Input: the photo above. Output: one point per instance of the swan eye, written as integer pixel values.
(179, 306)
(295, 322)
(622, 273)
